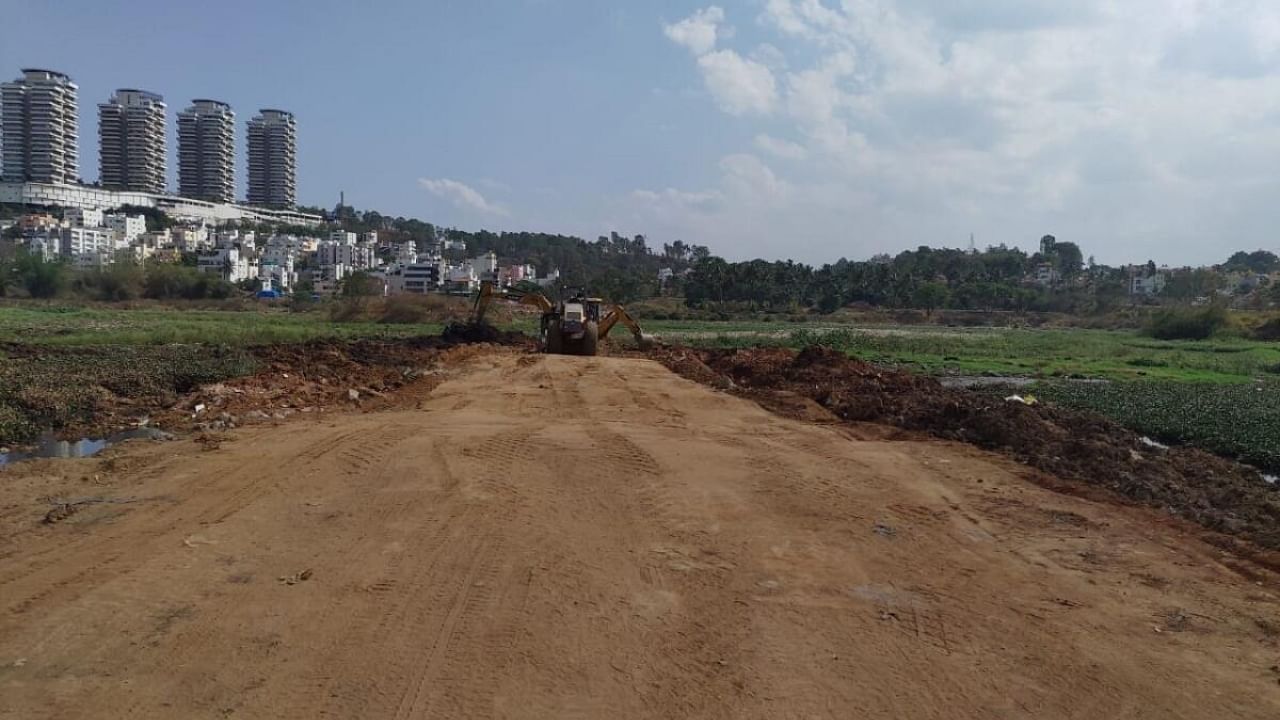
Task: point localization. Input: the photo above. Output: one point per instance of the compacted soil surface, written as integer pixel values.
(519, 536)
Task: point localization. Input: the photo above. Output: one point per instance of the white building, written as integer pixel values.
(417, 278)
(39, 128)
(131, 131)
(85, 241)
(244, 241)
(342, 249)
(180, 208)
(228, 263)
(70, 242)
(80, 217)
(206, 151)
(551, 280)
(95, 260)
(191, 239)
(407, 253)
(462, 278)
(1148, 285)
(277, 277)
(44, 246)
(273, 153)
(130, 227)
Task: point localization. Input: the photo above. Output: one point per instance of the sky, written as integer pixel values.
(803, 129)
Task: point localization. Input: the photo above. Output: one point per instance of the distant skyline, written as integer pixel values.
(809, 129)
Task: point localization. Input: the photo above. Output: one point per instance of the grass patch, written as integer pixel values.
(70, 326)
(1047, 353)
(1240, 421)
(62, 388)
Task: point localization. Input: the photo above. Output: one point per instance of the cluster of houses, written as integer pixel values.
(276, 263)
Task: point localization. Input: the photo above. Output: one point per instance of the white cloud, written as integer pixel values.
(739, 85)
(777, 147)
(460, 195)
(672, 199)
(698, 31)
(1126, 127)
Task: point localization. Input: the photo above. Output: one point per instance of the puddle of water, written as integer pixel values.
(51, 447)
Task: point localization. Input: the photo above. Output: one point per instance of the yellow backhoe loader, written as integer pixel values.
(572, 326)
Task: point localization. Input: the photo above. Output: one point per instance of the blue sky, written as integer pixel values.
(811, 129)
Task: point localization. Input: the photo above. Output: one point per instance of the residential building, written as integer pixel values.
(1148, 285)
(131, 131)
(462, 279)
(273, 159)
(94, 259)
(228, 263)
(39, 128)
(407, 253)
(43, 245)
(342, 249)
(1046, 275)
(417, 278)
(37, 221)
(486, 266)
(206, 151)
(510, 275)
(243, 241)
(276, 277)
(79, 217)
(70, 242)
(130, 227)
(191, 239)
(86, 241)
(551, 280)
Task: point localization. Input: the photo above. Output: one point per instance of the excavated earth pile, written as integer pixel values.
(1078, 447)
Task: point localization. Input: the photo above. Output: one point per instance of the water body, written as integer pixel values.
(50, 446)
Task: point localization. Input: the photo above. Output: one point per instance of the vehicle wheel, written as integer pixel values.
(590, 333)
(555, 338)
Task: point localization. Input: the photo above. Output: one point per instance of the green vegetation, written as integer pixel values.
(990, 351)
(1183, 323)
(161, 326)
(1220, 395)
(44, 390)
(1240, 421)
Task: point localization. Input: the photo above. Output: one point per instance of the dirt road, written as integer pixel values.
(597, 538)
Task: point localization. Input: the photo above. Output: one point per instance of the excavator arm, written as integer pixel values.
(484, 298)
(618, 314)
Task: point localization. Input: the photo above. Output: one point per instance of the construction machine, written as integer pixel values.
(572, 326)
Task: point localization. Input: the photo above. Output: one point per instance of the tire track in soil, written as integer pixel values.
(433, 620)
(372, 458)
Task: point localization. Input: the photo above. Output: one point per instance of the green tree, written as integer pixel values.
(1068, 258)
(119, 281)
(359, 284)
(931, 296)
(39, 278)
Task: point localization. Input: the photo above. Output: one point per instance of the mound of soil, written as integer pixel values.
(1080, 447)
(460, 333)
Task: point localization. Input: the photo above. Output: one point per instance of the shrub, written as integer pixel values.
(1269, 330)
(418, 309)
(1187, 323)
